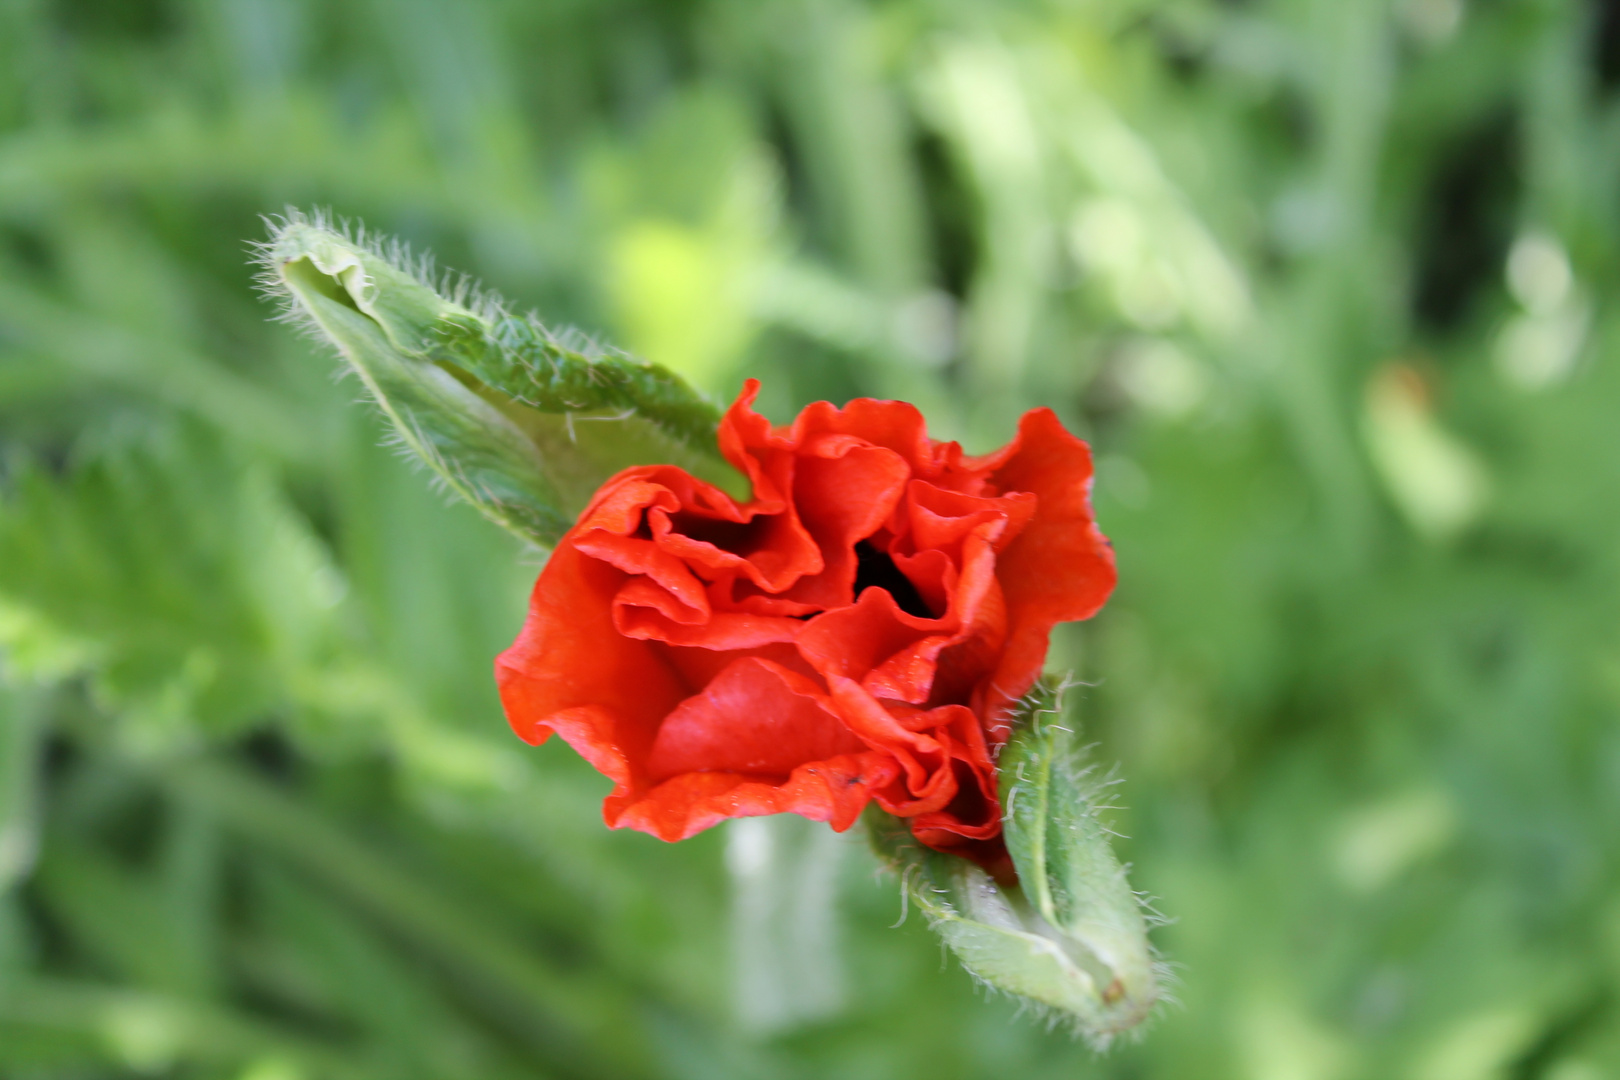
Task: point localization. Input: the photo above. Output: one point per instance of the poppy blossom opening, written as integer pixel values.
(856, 632)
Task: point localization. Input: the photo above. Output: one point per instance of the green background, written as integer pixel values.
(1325, 282)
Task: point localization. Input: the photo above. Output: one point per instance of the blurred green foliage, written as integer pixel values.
(1324, 281)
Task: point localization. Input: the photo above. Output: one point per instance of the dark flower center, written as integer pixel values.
(874, 569)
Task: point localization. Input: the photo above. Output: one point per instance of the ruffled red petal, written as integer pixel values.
(569, 655)
(754, 717)
(835, 791)
(1059, 569)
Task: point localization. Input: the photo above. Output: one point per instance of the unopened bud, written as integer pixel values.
(1070, 934)
(522, 423)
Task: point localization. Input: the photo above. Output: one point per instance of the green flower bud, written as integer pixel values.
(1070, 935)
(523, 423)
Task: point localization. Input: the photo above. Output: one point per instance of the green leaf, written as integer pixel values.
(523, 423)
(1069, 935)
(119, 916)
(577, 1013)
(22, 746)
(177, 574)
(152, 1033)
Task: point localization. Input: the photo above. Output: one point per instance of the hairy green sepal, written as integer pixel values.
(1069, 935)
(520, 422)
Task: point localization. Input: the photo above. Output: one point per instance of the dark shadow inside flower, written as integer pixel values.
(875, 570)
(969, 806)
(738, 537)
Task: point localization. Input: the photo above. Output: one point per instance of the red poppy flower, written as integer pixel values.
(855, 632)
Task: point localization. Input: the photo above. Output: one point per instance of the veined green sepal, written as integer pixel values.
(523, 423)
(1070, 935)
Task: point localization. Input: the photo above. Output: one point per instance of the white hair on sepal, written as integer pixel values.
(457, 287)
(1069, 942)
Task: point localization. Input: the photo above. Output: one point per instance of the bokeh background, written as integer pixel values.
(1325, 282)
